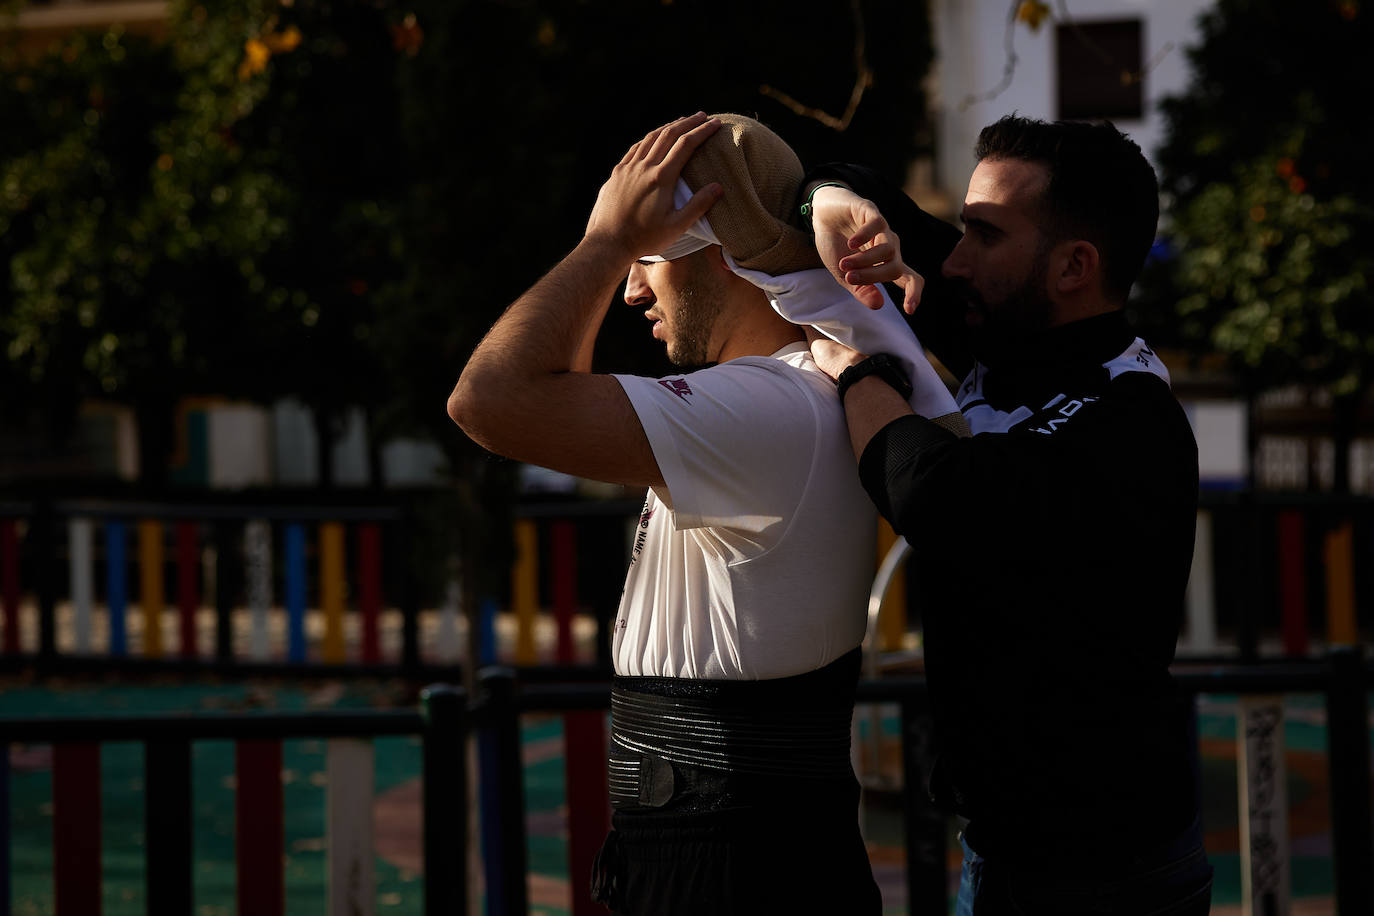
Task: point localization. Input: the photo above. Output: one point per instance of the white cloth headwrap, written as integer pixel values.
(816, 298)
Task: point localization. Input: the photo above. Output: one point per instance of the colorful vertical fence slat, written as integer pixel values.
(225, 568)
(9, 583)
(563, 587)
(116, 596)
(1293, 582)
(168, 806)
(370, 591)
(257, 560)
(502, 789)
(76, 828)
(1201, 597)
(447, 642)
(1263, 806)
(584, 731)
(350, 769)
(151, 599)
(1302, 563)
(331, 587)
(486, 632)
(260, 834)
(295, 592)
(525, 590)
(81, 572)
(188, 585)
(1339, 553)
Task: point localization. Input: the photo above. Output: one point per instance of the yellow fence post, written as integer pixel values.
(1340, 587)
(332, 591)
(525, 589)
(150, 597)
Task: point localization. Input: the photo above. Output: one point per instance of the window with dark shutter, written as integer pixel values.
(1098, 65)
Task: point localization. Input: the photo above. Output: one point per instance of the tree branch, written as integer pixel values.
(863, 78)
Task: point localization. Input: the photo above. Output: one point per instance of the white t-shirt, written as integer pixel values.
(755, 558)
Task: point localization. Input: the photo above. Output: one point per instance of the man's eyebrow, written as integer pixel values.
(978, 223)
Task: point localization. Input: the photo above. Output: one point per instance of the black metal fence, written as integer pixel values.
(448, 717)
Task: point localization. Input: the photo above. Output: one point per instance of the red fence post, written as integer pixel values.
(370, 589)
(584, 734)
(260, 838)
(188, 585)
(76, 828)
(563, 573)
(1293, 582)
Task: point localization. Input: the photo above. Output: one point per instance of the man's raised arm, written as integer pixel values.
(522, 394)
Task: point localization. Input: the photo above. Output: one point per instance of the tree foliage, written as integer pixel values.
(334, 199)
(1271, 223)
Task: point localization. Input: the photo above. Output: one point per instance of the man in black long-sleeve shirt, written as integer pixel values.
(1051, 548)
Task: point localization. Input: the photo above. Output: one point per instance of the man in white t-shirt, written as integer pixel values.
(736, 642)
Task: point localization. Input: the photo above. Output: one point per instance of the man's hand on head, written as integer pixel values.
(635, 213)
(857, 246)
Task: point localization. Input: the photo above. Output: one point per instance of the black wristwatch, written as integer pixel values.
(884, 367)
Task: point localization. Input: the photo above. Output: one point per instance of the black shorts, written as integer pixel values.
(805, 856)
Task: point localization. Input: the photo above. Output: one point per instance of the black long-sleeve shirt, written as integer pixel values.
(1050, 555)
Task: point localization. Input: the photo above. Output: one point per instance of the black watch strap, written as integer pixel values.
(884, 367)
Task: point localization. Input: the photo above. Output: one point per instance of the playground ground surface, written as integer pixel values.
(397, 813)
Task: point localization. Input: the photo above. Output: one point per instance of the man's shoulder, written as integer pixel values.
(1133, 409)
(746, 377)
(1132, 388)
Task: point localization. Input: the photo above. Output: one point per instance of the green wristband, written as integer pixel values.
(809, 207)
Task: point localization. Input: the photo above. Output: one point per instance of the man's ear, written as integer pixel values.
(717, 259)
(1077, 266)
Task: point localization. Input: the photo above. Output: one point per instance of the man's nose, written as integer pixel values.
(637, 291)
(956, 265)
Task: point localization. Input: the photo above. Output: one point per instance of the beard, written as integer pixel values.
(700, 301)
(1003, 326)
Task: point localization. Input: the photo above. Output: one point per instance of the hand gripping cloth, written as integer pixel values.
(761, 176)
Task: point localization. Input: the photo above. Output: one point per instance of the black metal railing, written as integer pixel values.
(448, 717)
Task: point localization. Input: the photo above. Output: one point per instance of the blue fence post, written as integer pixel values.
(116, 587)
(486, 634)
(502, 794)
(295, 592)
(445, 801)
(1352, 832)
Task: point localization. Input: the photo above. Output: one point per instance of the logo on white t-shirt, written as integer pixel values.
(677, 386)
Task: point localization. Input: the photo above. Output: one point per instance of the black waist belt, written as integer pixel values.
(795, 727)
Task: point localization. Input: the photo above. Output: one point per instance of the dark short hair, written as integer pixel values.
(1101, 188)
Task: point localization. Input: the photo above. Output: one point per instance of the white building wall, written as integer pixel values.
(294, 444)
(296, 447)
(970, 41)
(240, 446)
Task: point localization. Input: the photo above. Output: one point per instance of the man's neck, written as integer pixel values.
(757, 330)
(761, 341)
(1079, 309)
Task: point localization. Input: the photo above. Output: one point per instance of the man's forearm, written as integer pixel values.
(869, 405)
(544, 335)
